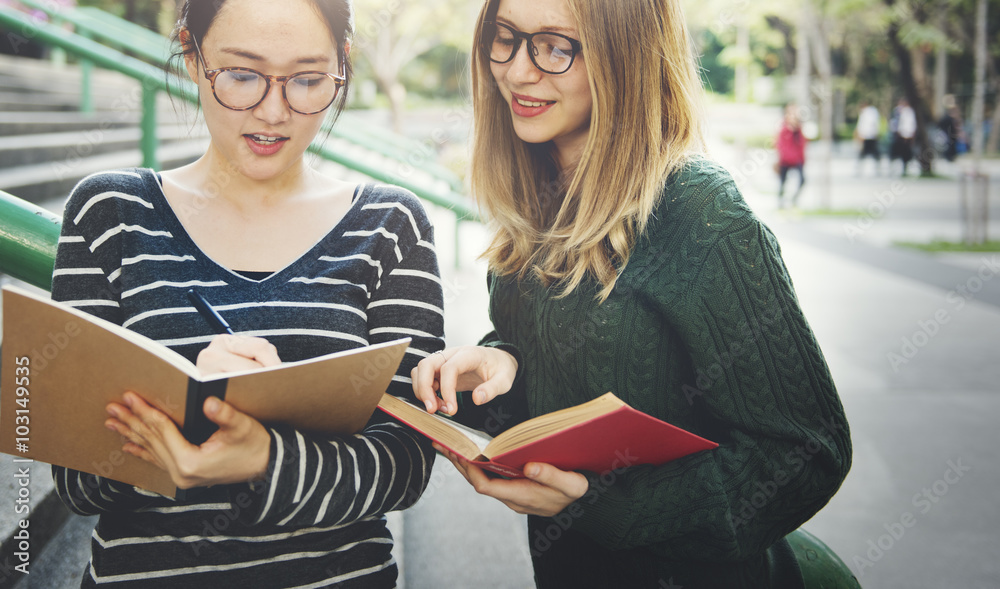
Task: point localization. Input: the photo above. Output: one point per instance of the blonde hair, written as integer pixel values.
(644, 123)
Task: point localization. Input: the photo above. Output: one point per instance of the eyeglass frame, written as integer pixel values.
(339, 80)
(520, 36)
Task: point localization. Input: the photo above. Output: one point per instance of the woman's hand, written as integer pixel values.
(487, 372)
(237, 452)
(234, 353)
(546, 491)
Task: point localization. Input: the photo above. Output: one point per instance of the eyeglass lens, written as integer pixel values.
(306, 92)
(550, 52)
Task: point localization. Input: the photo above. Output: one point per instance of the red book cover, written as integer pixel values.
(625, 437)
(619, 436)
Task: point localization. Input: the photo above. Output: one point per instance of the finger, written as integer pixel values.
(219, 359)
(254, 348)
(571, 484)
(127, 423)
(457, 366)
(489, 390)
(227, 417)
(119, 427)
(156, 428)
(141, 452)
(425, 380)
(459, 465)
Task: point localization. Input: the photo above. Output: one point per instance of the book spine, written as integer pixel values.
(500, 469)
(197, 427)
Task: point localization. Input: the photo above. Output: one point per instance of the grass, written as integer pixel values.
(824, 212)
(945, 246)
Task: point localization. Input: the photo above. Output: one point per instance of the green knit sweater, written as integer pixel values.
(702, 330)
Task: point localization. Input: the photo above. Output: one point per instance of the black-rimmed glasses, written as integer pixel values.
(240, 88)
(550, 52)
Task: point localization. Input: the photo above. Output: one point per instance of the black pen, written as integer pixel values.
(210, 314)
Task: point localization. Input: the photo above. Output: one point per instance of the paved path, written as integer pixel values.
(919, 507)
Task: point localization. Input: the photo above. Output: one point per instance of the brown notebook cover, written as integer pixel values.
(61, 367)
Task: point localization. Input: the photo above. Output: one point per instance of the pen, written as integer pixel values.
(210, 314)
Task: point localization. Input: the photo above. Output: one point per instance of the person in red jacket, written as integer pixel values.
(791, 144)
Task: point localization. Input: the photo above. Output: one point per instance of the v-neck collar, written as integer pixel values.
(184, 239)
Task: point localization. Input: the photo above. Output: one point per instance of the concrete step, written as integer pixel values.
(28, 123)
(50, 180)
(19, 101)
(102, 90)
(21, 150)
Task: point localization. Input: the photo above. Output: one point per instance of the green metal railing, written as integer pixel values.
(154, 80)
(28, 239)
(133, 39)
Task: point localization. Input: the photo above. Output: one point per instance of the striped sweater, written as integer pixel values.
(317, 518)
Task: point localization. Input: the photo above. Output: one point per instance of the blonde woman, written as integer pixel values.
(624, 261)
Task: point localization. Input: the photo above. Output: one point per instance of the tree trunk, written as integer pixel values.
(821, 59)
(741, 83)
(979, 96)
(803, 69)
(167, 16)
(907, 80)
(919, 59)
(940, 73)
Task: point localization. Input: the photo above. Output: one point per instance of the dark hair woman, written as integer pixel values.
(300, 264)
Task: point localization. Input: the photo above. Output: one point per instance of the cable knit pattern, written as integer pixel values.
(703, 330)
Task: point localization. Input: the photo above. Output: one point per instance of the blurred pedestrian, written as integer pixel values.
(606, 215)
(952, 127)
(868, 131)
(791, 145)
(903, 127)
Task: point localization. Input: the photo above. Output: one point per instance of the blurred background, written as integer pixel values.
(895, 266)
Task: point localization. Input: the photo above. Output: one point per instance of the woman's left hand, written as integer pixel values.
(546, 491)
(237, 452)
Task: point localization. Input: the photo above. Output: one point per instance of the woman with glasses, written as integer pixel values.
(306, 263)
(622, 260)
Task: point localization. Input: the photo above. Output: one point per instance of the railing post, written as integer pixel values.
(149, 94)
(86, 84)
(458, 240)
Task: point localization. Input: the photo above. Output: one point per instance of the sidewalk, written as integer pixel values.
(911, 339)
(918, 508)
(913, 354)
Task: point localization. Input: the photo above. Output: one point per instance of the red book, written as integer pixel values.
(599, 436)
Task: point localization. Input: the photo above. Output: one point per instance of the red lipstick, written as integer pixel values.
(523, 110)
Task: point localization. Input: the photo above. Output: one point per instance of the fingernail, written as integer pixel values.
(533, 470)
(211, 405)
(110, 427)
(480, 396)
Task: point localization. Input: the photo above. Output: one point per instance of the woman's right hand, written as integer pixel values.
(235, 353)
(487, 372)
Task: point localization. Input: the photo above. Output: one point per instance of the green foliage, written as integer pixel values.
(945, 246)
(141, 12)
(715, 75)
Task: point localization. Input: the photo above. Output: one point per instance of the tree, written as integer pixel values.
(391, 33)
